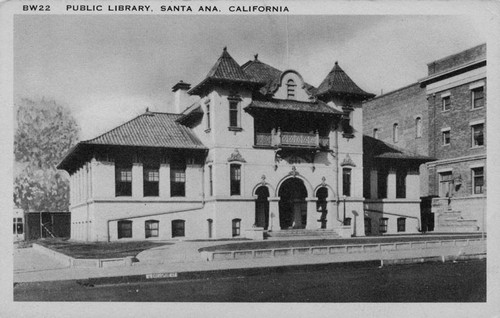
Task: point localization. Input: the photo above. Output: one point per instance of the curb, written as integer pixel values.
(83, 262)
(254, 271)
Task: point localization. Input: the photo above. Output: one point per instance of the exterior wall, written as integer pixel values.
(458, 119)
(392, 210)
(454, 60)
(402, 106)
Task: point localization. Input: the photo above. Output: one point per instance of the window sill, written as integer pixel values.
(477, 147)
(446, 145)
(446, 111)
(208, 130)
(477, 108)
(234, 128)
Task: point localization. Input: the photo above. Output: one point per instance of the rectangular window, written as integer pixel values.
(477, 96)
(210, 180)
(178, 228)
(401, 183)
(446, 103)
(178, 180)
(233, 114)
(401, 225)
(382, 175)
(151, 181)
(383, 225)
(477, 135)
(236, 227)
(347, 221)
(123, 181)
(346, 182)
(445, 183)
(124, 229)
(235, 179)
(18, 226)
(208, 117)
(478, 180)
(368, 226)
(446, 137)
(152, 228)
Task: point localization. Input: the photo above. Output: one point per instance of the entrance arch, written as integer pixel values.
(262, 207)
(292, 205)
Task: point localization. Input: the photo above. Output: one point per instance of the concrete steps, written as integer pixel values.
(452, 221)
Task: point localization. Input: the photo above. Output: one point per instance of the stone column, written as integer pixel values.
(274, 214)
(137, 181)
(312, 214)
(391, 184)
(373, 184)
(331, 216)
(164, 184)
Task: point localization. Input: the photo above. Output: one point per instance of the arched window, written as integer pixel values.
(290, 89)
(236, 227)
(418, 127)
(151, 228)
(395, 133)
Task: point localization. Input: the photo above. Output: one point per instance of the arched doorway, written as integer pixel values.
(262, 207)
(292, 205)
(322, 194)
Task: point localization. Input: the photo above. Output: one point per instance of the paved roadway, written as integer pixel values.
(429, 282)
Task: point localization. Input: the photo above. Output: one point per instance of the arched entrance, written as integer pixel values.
(292, 205)
(262, 207)
(321, 204)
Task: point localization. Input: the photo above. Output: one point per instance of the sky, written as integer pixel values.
(109, 69)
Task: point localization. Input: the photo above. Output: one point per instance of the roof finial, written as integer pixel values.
(225, 48)
(256, 56)
(147, 109)
(336, 62)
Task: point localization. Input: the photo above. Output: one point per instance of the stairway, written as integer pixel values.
(303, 233)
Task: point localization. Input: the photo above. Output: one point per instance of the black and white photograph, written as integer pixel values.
(250, 158)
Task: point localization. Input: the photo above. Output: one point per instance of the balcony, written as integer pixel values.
(283, 139)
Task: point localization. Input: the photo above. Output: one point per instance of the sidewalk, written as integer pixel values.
(183, 257)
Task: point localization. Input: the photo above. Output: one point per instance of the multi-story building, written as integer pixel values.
(456, 94)
(443, 116)
(260, 150)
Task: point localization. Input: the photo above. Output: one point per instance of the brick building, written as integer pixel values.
(443, 116)
(456, 94)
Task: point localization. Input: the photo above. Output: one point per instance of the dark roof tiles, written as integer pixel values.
(338, 82)
(150, 130)
(293, 105)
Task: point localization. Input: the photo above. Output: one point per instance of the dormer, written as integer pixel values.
(292, 86)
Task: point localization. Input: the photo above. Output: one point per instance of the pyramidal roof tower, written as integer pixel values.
(225, 71)
(337, 82)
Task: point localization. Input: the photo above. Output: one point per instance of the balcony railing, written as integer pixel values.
(291, 139)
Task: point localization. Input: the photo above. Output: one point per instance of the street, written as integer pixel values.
(429, 282)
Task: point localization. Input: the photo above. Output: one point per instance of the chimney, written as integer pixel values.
(181, 97)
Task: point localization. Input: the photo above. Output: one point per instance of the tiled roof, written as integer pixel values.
(292, 105)
(376, 148)
(225, 69)
(150, 130)
(338, 82)
(269, 75)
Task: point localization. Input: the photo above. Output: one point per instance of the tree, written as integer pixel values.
(44, 133)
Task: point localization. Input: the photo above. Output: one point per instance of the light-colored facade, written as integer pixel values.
(260, 149)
